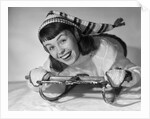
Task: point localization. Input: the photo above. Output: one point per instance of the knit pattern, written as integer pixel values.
(86, 27)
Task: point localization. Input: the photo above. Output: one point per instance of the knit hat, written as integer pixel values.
(86, 27)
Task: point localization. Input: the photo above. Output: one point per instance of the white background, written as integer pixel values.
(144, 113)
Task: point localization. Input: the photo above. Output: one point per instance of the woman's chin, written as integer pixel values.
(69, 62)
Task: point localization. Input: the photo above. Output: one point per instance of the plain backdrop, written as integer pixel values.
(25, 51)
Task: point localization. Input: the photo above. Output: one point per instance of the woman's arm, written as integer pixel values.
(130, 70)
(117, 67)
(42, 72)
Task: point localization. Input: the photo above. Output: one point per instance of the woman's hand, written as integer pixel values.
(116, 77)
(38, 74)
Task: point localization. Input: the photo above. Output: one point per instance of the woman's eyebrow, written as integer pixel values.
(60, 36)
(57, 39)
(48, 44)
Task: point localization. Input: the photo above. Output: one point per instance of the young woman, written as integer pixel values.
(76, 46)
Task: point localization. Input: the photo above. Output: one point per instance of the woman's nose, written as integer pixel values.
(61, 51)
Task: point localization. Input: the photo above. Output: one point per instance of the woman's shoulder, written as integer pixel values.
(101, 43)
(112, 41)
(101, 40)
(101, 46)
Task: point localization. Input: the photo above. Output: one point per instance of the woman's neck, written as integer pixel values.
(81, 60)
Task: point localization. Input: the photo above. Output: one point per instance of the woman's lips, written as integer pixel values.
(66, 56)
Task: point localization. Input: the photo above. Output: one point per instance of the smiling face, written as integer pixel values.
(63, 47)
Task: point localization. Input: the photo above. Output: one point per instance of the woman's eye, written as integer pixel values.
(51, 48)
(62, 41)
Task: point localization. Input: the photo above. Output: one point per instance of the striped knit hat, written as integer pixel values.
(86, 27)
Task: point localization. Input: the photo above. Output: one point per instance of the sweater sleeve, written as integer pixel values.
(124, 63)
(114, 58)
(39, 73)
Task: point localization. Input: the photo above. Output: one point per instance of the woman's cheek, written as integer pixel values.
(67, 45)
(54, 55)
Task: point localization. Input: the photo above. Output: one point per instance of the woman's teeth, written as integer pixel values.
(66, 55)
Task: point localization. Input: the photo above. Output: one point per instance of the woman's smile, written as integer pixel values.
(66, 56)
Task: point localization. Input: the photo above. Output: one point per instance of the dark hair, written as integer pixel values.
(85, 44)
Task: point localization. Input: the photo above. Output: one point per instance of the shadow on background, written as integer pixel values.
(134, 54)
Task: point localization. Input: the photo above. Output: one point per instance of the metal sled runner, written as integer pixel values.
(71, 82)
